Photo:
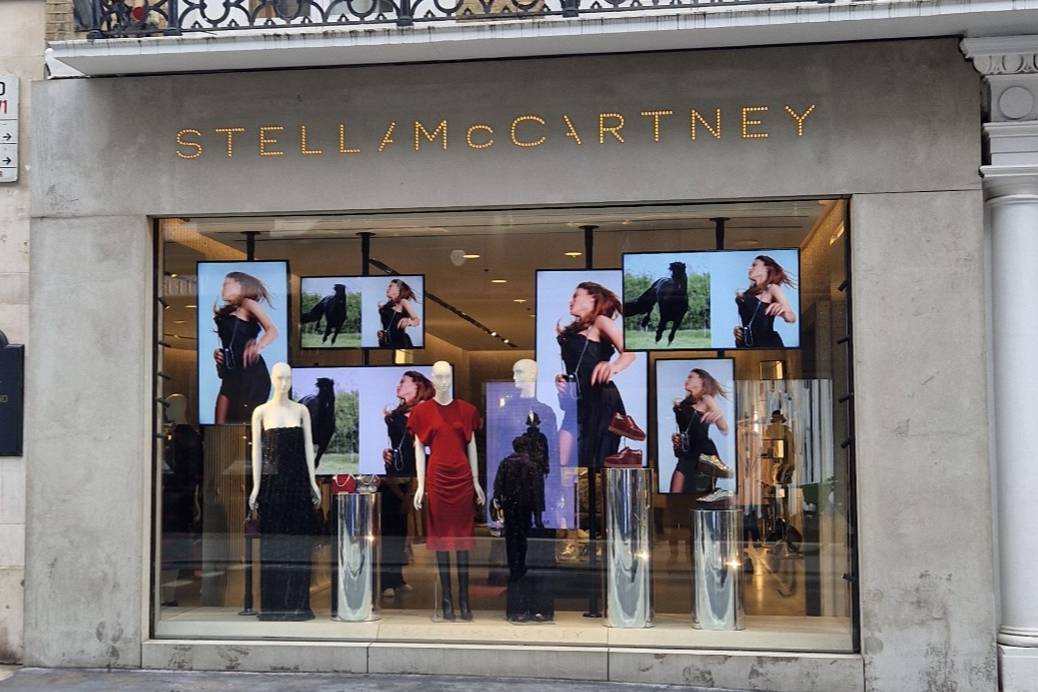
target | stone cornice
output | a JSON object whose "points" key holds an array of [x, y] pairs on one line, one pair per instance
{"points": [[1002, 55]]}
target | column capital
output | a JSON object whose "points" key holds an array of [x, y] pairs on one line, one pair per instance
{"points": [[1002, 55], [1009, 65]]}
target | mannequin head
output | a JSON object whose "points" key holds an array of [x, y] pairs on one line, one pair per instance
{"points": [[280, 381], [442, 378], [524, 374], [176, 409]]}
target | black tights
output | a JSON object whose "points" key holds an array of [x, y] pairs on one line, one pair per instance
{"points": [[443, 563]]}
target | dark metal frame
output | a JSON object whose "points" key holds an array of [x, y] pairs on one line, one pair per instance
{"points": [[655, 413], [719, 350], [200, 326], [362, 277], [117, 19]]}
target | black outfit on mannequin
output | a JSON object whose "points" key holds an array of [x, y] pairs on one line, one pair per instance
{"points": [[391, 335], [245, 387], [515, 493], [286, 514], [694, 440], [758, 327], [592, 406], [182, 471], [394, 488]]}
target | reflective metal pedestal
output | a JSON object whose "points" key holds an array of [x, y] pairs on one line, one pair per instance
{"points": [[357, 549], [629, 547], [716, 566]]}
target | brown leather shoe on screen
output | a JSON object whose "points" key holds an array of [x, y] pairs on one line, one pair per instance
{"points": [[624, 426], [625, 458]]}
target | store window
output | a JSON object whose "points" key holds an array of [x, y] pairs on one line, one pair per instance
{"points": [[620, 425]]}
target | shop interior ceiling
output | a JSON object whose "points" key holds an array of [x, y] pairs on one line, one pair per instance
{"points": [[510, 245]]}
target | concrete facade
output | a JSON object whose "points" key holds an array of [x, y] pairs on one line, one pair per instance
{"points": [[896, 130], [21, 52]]}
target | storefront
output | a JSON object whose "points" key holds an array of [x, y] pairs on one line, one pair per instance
{"points": [[683, 302]]}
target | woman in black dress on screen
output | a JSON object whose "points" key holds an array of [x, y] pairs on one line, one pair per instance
{"points": [[245, 379], [761, 303], [587, 394], [397, 314], [694, 415], [413, 388]]}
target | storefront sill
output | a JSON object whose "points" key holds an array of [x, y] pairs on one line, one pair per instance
{"points": [[777, 672], [671, 631]]}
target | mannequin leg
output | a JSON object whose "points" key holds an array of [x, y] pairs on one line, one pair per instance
{"points": [[443, 563], [463, 584]]}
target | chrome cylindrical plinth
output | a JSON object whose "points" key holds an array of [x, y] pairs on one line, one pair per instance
{"points": [[716, 566], [629, 547], [357, 556]]}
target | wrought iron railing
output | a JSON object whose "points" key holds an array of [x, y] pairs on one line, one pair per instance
{"points": [[131, 18]]}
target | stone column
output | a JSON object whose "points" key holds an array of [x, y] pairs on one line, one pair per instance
{"points": [[1010, 173]]}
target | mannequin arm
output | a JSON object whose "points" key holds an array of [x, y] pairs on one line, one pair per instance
{"points": [[308, 446], [419, 467], [474, 466], [257, 456]]}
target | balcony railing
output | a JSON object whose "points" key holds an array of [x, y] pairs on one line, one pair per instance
{"points": [[134, 18]]}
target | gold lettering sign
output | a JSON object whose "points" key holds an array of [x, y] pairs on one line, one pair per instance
{"points": [[526, 131]]}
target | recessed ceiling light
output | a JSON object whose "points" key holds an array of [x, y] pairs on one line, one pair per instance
{"points": [[499, 281], [190, 307], [507, 341], [518, 300], [471, 255], [178, 321], [173, 276], [493, 333], [573, 253]]}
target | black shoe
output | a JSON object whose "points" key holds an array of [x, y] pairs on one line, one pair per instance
{"points": [[466, 612], [448, 608]]}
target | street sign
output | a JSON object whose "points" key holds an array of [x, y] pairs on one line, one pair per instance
{"points": [[12, 366], [8, 128]]}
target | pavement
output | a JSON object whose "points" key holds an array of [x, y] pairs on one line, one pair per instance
{"points": [[100, 680]]}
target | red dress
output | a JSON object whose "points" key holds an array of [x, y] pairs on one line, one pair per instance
{"points": [[449, 492]]}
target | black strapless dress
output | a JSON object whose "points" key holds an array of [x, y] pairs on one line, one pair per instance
{"points": [[592, 406], [391, 335], [758, 327], [245, 387], [697, 436], [286, 520]]}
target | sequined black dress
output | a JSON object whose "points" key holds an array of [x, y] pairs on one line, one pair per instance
{"points": [[758, 327], [245, 387], [694, 440], [391, 335], [394, 488], [286, 522], [592, 406], [515, 490]]}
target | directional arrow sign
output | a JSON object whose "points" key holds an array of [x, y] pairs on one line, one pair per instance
{"points": [[8, 159], [8, 128]]}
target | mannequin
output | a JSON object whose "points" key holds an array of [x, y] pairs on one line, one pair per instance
{"points": [[451, 477], [282, 445], [515, 496], [529, 408], [181, 480]]}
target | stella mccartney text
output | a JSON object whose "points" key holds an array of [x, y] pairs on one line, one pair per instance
{"points": [[524, 131]]}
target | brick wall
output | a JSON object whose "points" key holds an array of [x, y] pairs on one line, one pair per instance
{"points": [[59, 20]]}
